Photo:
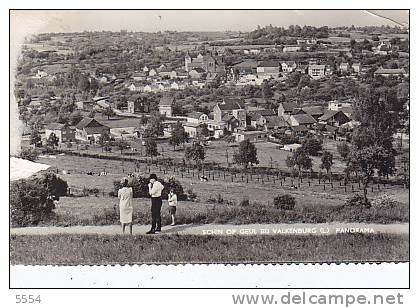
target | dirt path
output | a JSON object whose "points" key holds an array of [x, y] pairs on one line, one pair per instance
{"points": [[210, 229]]}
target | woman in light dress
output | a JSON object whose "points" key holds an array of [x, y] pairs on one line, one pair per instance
{"points": [[125, 205]]}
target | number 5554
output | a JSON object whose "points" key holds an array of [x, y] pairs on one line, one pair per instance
{"points": [[28, 299]]}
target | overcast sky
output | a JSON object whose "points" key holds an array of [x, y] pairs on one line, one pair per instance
{"points": [[150, 21]]}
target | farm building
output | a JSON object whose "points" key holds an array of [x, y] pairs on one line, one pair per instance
{"points": [[301, 120], [197, 117], [89, 129], [291, 147], [230, 107], [192, 129], [286, 108], [166, 106], [253, 136], [63, 132], [334, 118], [387, 72]]}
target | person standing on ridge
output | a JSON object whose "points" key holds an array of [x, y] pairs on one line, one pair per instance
{"points": [[155, 189]]}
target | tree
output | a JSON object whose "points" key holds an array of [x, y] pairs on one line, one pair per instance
{"points": [[108, 111], [83, 83], [35, 138], [196, 152], [372, 142], [204, 130], [375, 38], [267, 92], [92, 113], [104, 140], [311, 146], [327, 161], [370, 159], [75, 117], [151, 147], [154, 127], [122, 145], [29, 154], [179, 136], [299, 159], [343, 149], [246, 154], [52, 140]]}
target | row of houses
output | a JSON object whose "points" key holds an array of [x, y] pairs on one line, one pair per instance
{"points": [[243, 119], [88, 129]]}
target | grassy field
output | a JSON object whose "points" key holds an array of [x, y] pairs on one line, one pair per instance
{"points": [[92, 210], [269, 155], [315, 195], [120, 249]]}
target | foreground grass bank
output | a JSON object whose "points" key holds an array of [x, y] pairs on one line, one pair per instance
{"points": [[120, 249], [89, 211]]}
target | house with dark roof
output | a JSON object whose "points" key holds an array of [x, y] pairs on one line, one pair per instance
{"points": [[334, 118], [257, 118], [230, 107], [88, 129], [286, 108], [207, 62], [166, 105], [63, 132], [246, 67], [231, 123], [268, 69], [197, 73], [314, 111], [275, 122], [301, 120]]}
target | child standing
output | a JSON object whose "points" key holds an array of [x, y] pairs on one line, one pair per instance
{"points": [[172, 198]]}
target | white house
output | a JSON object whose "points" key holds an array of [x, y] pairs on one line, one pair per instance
{"points": [[291, 48], [356, 67], [291, 147], [40, 74], [317, 71], [288, 66], [197, 117]]}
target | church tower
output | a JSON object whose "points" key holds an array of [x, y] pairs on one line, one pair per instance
{"points": [[188, 61]]}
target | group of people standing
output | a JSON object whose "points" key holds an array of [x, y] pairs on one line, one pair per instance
{"points": [[155, 189]]}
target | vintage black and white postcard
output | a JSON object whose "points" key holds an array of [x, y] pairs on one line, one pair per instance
{"points": [[166, 137]]}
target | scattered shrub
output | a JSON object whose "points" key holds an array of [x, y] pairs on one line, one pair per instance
{"points": [[94, 191], [356, 201], [29, 154], [191, 194], [29, 203], [140, 187], [54, 185], [384, 201], [244, 202], [284, 202]]}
